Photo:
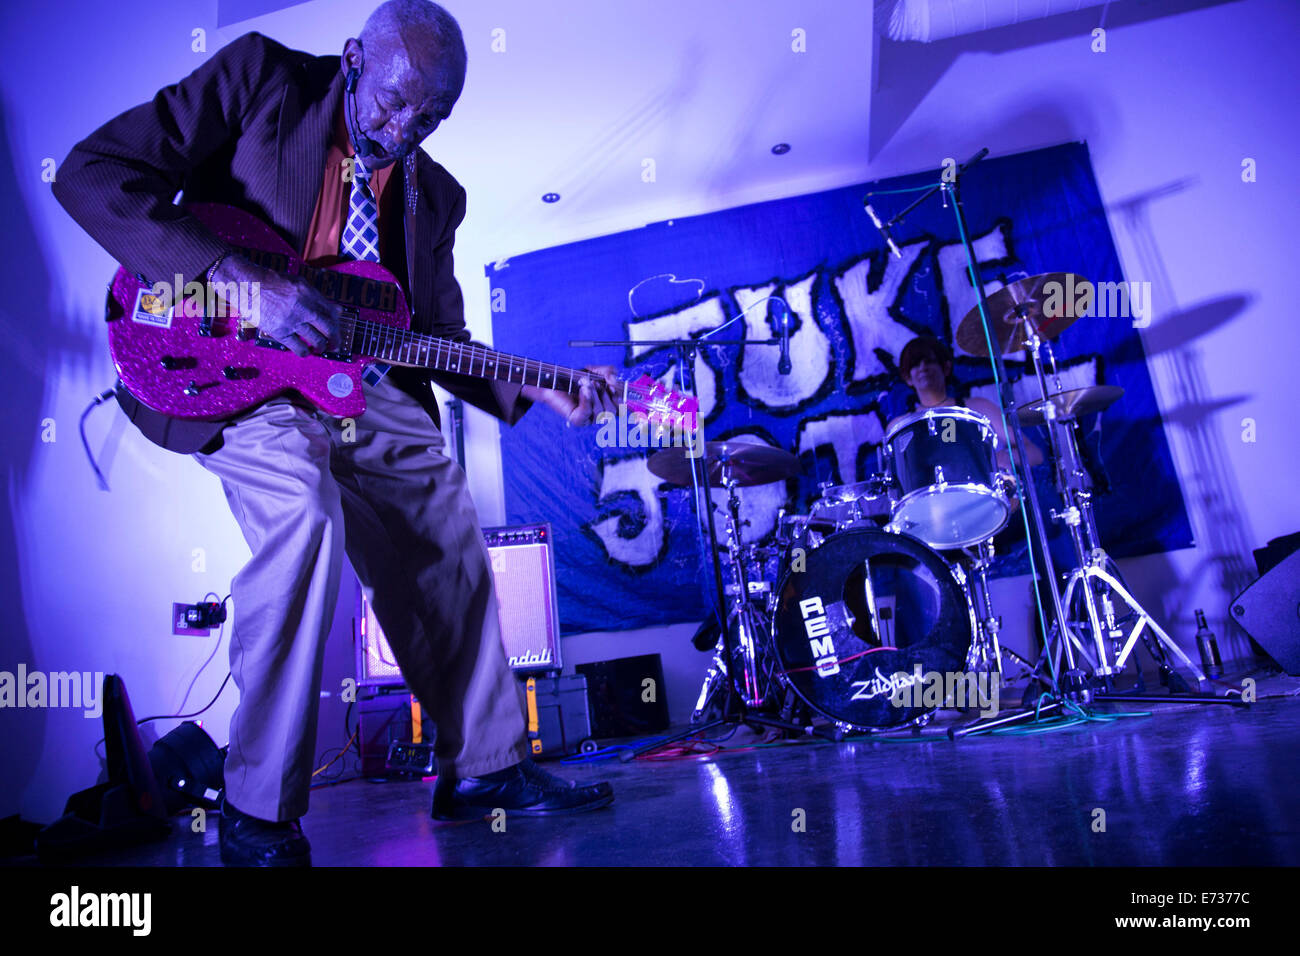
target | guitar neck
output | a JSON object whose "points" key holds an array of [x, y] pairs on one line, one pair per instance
{"points": [[414, 349]]}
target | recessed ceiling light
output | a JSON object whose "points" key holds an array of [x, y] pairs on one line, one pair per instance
{"points": [[551, 197], [780, 149]]}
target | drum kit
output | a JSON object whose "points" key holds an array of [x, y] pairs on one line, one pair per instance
{"points": [[886, 579]]}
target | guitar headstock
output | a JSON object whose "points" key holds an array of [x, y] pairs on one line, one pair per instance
{"points": [[662, 407]]}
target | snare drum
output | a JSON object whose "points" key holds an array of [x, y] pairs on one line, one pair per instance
{"points": [[865, 503], [951, 493]]}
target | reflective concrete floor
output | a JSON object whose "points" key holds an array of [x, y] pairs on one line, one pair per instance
{"points": [[1185, 786]]}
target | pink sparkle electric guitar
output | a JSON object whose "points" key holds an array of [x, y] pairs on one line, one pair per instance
{"points": [[190, 355]]}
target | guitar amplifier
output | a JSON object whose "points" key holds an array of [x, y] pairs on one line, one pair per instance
{"points": [[523, 574]]}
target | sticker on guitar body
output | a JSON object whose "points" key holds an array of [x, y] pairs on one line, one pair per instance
{"points": [[152, 309]]}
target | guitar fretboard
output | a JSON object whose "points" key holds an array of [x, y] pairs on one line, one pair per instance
{"points": [[404, 347]]}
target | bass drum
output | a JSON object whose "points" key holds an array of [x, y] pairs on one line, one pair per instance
{"points": [[852, 625]]}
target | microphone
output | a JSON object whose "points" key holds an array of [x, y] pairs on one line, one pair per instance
{"points": [[884, 230], [783, 364]]}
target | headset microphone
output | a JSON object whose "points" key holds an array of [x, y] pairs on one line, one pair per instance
{"points": [[360, 141]]}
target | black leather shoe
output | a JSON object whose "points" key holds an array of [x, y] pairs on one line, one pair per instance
{"points": [[525, 789], [248, 841]]}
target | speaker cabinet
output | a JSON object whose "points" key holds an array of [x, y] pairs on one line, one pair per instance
{"points": [[1269, 611], [523, 574]]}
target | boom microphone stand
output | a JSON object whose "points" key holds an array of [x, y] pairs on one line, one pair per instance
{"points": [[1073, 675]]}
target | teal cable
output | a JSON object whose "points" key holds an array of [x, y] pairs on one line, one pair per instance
{"points": [[978, 286]]}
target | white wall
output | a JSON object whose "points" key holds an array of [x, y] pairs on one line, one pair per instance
{"points": [[1176, 101], [1169, 110]]}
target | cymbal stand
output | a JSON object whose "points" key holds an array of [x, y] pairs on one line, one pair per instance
{"points": [[1106, 601], [1037, 536], [748, 625], [985, 650], [735, 708]]}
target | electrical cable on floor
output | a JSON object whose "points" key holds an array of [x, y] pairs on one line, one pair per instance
{"points": [[1077, 717], [352, 737], [610, 751], [690, 747], [683, 750], [320, 770], [196, 713]]}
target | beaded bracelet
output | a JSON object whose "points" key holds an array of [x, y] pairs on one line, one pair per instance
{"points": [[212, 271]]}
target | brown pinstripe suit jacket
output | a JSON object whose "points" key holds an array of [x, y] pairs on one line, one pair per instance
{"points": [[250, 128]]}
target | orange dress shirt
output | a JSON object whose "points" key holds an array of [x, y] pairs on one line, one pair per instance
{"points": [[326, 230]]}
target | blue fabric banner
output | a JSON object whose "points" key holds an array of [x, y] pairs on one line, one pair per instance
{"points": [[628, 552]]}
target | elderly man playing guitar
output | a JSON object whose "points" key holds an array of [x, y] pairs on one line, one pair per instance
{"points": [[324, 152]]}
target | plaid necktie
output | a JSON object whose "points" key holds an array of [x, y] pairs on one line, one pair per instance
{"points": [[360, 239]]}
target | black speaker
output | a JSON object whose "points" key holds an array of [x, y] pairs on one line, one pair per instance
{"points": [[1275, 552], [626, 695], [1269, 611]]}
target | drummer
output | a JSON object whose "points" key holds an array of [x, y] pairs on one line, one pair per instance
{"points": [[926, 364]]}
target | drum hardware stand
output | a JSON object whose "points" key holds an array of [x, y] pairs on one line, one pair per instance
{"points": [[735, 708], [1101, 591], [742, 606], [986, 650]]}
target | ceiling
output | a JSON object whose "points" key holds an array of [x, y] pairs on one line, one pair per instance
{"points": [[579, 95], [639, 112]]}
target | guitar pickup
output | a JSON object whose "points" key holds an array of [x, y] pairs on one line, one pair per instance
{"points": [[271, 344]]}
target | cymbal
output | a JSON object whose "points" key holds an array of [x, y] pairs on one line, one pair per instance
{"points": [[1016, 306], [1071, 403], [749, 463]]}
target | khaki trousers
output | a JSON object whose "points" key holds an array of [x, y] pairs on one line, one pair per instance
{"points": [[303, 487]]}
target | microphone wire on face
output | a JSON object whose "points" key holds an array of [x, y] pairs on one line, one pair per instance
{"points": [[361, 143]]}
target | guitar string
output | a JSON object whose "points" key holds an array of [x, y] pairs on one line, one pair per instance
{"points": [[373, 333], [389, 341]]}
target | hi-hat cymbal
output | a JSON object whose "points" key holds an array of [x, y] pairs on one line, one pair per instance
{"points": [[1015, 308], [1071, 403], [747, 462]]}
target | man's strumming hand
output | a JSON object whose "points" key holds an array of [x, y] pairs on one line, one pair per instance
{"points": [[290, 310]]}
